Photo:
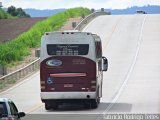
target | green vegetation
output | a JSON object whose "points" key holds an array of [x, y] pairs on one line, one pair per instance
{"points": [[7, 83], [4, 15], [17, 49], [17, 12]]}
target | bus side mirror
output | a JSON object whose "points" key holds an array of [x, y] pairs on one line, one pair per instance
{"points": [[104, 64]]}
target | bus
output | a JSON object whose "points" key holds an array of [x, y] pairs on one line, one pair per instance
{"points": [[71, 69]]}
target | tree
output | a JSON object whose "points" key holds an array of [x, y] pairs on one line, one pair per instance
{"points": [[19, 12], [12, 10]]}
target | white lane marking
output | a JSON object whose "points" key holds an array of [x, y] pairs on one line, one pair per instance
{"points": [[117, 95], [20, 83]]}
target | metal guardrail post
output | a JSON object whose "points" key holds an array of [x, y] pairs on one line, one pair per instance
{"points": [[74, 24], [3, 70], [102, 9], [92, 10]]}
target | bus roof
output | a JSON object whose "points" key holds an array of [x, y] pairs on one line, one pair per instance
{"points": [[68, 32]]}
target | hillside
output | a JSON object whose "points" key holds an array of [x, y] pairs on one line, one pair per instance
{"points": [[11, 28]]}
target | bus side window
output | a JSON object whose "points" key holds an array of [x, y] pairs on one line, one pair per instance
{"points": [[98, 50]]}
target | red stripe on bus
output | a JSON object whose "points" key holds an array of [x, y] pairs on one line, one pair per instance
{"points": [[68, 75]]}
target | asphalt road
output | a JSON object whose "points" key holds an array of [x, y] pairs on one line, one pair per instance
{"points": [[132, 83], [132, 45]]}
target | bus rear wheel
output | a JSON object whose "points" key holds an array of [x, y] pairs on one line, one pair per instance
{"points": [[87, 105], [47, 106], [55, 106], [91, 104], [94, 104]]}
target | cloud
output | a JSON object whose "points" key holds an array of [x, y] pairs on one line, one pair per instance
{"points": [[96, 4]]}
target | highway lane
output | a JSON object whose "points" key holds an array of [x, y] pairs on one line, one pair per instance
{"points": [[143, 87], [25, 94], [120, 49], [133, 51], [132, 84]]}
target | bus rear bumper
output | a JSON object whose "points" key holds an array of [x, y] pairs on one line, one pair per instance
{"points": [[67, 95]]}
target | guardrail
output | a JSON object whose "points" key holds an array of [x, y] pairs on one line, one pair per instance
{"points": [[88, 19], [18, 74]]}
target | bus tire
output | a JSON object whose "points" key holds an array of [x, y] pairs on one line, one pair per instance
{"points": [[55, 106], [94, 104], [98, 100], [87, 105], [98, 97], [47, 106]]}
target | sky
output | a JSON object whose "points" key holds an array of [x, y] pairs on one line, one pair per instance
{"points": [[96, 4]]}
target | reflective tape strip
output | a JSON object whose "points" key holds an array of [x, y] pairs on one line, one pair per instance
{"points": [[93, 86], [68, 75]]}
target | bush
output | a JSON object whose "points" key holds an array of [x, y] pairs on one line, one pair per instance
{"points": [[18, 48], [17, 12], [4, 15]]}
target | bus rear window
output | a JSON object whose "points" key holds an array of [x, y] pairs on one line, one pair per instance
{"points": [[67, 49]]}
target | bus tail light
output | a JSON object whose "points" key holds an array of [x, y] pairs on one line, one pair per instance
{"points": [[93, 81], [93, 87], [43, 87], [68, 85], [52, 89], [42, 82], [85, 89]]}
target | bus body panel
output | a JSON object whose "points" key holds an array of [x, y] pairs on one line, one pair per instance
{"points": [[75, 74]]}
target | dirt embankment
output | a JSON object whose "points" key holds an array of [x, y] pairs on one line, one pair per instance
{"points": [[11, 28]]}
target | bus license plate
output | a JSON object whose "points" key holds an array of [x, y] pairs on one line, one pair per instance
{"points": [[68, 85]]}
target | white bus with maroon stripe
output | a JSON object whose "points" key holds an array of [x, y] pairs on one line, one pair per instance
{"points": [[71, 68]]}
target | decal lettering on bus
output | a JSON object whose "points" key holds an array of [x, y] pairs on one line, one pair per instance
{"points": [[79, 61], [54, 62]]}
